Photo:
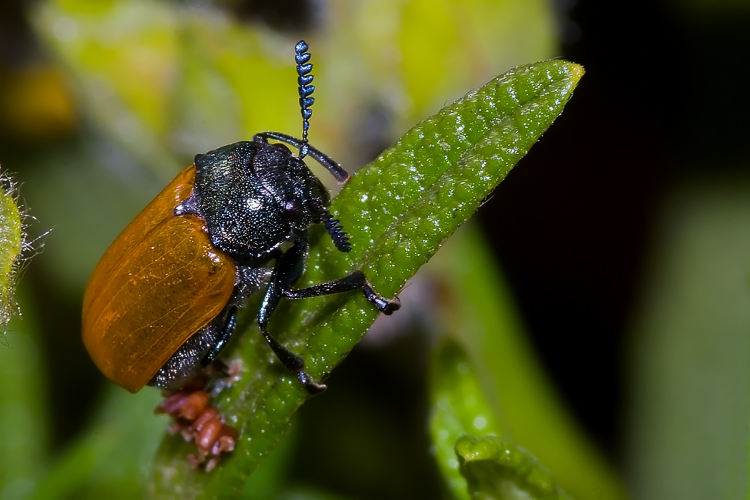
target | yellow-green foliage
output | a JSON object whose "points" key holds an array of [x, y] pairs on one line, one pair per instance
{"points": [[11, 246]]}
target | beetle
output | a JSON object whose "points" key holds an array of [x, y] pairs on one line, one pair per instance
{"points": [[162, 302]]}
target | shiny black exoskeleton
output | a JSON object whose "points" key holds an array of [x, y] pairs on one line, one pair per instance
{"points": [[254, 197]]}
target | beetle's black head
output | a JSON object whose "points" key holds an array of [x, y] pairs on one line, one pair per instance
{"points": [[297, 190], [254, 196]]}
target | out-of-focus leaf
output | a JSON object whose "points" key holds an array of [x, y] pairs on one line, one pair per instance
{"points": [[475, 460], [410, 71], [477, 311], [166, 80], [398, 211], [24, 430], [87, 192], [122, 56], [688, 429], [171, 79], [458, 408], [497, 470], [35, 104], [111, 461]]}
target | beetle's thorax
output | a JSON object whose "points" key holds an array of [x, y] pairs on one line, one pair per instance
{"points": [[254, 196]]}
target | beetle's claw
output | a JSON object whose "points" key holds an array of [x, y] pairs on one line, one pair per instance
{"points": [[310, 385], [386, 306], [391, 306]]}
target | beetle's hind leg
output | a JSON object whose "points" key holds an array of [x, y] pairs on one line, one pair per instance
{"points": [[196, 353]]}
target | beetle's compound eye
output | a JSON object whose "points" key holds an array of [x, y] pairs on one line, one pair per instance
{"points": [[292, 208]]}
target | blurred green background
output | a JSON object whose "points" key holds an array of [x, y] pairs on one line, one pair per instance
{"points": [[604, 311]]}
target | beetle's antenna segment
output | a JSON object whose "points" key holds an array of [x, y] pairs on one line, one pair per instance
{"points": [[304, 79], [335, 231], [336, 170], [339, 237]]}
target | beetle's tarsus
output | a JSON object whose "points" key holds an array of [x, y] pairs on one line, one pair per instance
{"points": [[386, 306], [309, 384], [293, 363]]}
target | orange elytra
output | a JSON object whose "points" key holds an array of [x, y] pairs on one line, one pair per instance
{"points": [[158, 283]]}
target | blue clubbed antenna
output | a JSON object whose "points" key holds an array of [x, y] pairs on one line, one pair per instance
{"points": [[304, 79]]}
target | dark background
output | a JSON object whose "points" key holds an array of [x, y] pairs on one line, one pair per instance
{"points": [[572, 228]]}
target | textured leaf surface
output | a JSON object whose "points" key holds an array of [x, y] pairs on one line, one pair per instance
{"points": [[398, 211]]}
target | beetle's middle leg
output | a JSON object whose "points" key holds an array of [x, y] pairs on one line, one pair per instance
{"points": [[292, 264], [353, 281], [287, 272]]}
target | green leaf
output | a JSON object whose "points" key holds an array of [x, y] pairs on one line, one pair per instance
{"points": [[459, 407], [477, 312], [477, 41], [24, 427], [213, 79], [485, 466], [488, 465], [497, 470], [22, 448], [11, 245], [112, 48], [166, 81], [108, 461], [398, 211]]}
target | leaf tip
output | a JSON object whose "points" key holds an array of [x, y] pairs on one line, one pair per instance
{"points": [[576, 71]]}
